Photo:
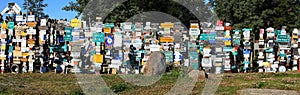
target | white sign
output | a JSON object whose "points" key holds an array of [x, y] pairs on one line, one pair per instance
{"points": [[31, 18], [206, 62], [282, 69], [43, 22], [154, 48], [16, 8], [3, 12], [220, 28], [127, 26], [177, 57], [31, 31], [19, 18], [118, 41], [88, 34], [194, 31]]}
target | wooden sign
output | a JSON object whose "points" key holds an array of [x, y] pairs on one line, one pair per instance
{"points": [[167, 25], [107, 30], [43, 27], [31, 24], [3, 36], [166, 39], [17, 53]]}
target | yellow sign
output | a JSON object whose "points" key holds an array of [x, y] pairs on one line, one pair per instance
{"points": [[4, 25], [2, 58], [31, 24], [98, 58], [167, 25], [3, 47], [24, 33], [107, 30], [267, 64], [166, 39], [295, 36], [25, 54], [76, 23], [227, 43]]}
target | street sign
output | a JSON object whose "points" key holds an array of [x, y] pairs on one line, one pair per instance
{"points": [[109, 40], [98, 37], [177, 57], [169, 56], [109, 25], [68, 38], [11, 25]]}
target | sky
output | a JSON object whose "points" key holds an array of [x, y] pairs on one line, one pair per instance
{"points": [[54, 9]]}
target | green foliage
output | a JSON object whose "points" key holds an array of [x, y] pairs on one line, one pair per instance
{"points": [[119, 87], [258, 13], [129, 8], [35, 6]]}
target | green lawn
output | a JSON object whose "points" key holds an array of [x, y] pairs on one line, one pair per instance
{"points": [[58, 84]]}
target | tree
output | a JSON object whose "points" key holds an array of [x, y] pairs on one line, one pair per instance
{"points": [[192, 10], [35, 6], [258, 14]]}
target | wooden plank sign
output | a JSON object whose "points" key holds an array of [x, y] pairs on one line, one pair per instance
{"points": [[166, 39], [31, 24]]}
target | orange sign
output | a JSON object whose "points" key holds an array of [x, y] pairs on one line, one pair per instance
{"points": [[228, 27], [166, 39], [31, 24], [167, 25], [194, 26], [107, 30]]}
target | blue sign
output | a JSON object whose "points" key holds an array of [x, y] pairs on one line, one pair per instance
{"points": [[109, 40], [246, 51]]}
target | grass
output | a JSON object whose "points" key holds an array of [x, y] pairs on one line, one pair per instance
{"points": [[58, 84]]}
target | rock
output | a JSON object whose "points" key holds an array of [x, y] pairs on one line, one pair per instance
{"points": [[156, 64], [202, 75]]}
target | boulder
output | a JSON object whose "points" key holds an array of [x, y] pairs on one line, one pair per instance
{"points": [[156, 64]]}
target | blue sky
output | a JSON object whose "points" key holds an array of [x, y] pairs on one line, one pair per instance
{"points": [[53, 9]]}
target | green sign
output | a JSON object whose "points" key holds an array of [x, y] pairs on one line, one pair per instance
{"points": [[109, 25], [68, 38], [195, 65], [98, 37], [237, 41], [282, 36], [193, 55], [11, 25], [235, 53], [247, 29], [133, 27], [227, 49], [207, 37], [169, 56], [236, 30]]}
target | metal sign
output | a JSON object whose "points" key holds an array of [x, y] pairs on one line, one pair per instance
{"points": [[169, 56], [109, 40], [177, 57], [109, 25], [98, 37]]}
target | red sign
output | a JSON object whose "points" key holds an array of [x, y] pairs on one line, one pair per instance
{"points": [[220, 23], [262, 31]]}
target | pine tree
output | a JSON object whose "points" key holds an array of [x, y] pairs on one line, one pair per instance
{"points": [[35, 6]]}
